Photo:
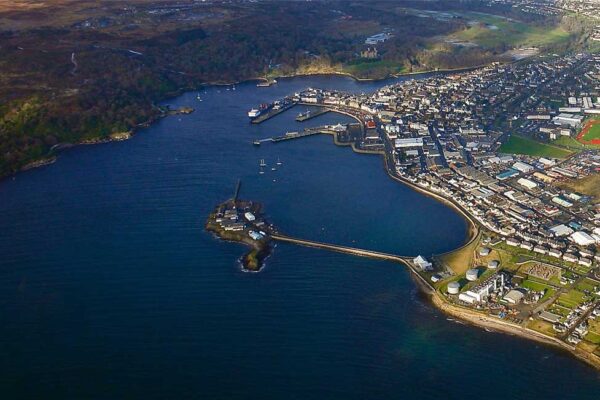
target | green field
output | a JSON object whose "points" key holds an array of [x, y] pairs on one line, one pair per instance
{"points": [[521, 145], [593, 133], [538, 287], [492, 31], [573, 144], [593, 337], [571, 299]]}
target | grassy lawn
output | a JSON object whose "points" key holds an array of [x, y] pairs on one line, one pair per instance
{"points": [[542, 326], [460, 261], [587, 284], [571, 299], [571, 143], [559, 310], [594, 331], [589, 185], [521, 145], [493, 31], [593, 337], [593, 133], [538, 287]]}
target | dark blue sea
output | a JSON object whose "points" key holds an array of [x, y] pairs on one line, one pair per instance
{"points": [[111, 289]]}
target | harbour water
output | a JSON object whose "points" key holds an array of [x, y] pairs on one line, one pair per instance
{"points": [[110, 288]]}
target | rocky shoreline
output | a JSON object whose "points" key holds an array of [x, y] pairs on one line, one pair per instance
{"points": [[52, 155], [487, 322], [241, 222]]}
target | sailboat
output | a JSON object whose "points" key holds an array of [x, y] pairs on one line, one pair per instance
{"points": [[198, 97], [262, 162], [279, 161], [261, 171]]}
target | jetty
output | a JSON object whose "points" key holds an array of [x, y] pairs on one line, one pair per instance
{"points": [[309, 114], [343, 249], [272, 113], [355, 251], [325, 129]]}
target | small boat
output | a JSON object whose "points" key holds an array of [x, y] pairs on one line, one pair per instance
{"points": [[262, 162], [198, 97], [261, 171], [273, 169], [303, 115], [233, 88], [266, 82]]}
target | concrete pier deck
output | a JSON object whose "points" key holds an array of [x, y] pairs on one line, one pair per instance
{"points": [[272, 113], [312, 114]]}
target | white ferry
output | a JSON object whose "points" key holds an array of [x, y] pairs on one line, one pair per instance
{"points": [[255, 112]]}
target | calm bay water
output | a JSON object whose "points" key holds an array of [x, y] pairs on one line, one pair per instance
{"points": [[110, 288]]}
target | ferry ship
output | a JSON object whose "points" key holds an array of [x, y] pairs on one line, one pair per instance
{"points": [[256, 112]]}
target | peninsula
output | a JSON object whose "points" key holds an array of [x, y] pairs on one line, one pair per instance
{"points": [[241, 221]]}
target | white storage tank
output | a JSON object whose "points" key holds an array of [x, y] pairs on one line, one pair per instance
{"points": [[472, 274], [453, 287]]}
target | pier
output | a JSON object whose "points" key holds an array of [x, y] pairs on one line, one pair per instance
{"points": [[297, 135], [272, 113], [343, 249], [326, 129], [311, 114], [237, 191], [378, 255]]}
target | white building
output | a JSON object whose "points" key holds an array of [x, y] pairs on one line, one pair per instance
{"points": [[529, 184], [523, 167], [408, 142], [255, 235], [483, 290], [514, 296], [582, 238], [561, 230], [422, 263], [568, 119]]}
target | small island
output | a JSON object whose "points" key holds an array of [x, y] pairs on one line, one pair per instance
{"points": [[241, 221]]}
